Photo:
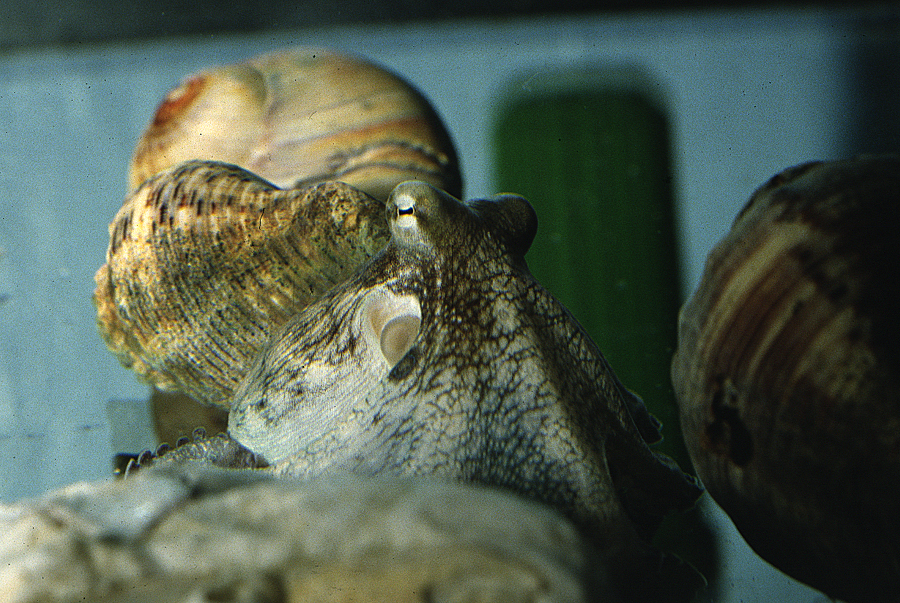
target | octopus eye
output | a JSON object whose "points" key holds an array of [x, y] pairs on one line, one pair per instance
{"points": [[405, 215]]}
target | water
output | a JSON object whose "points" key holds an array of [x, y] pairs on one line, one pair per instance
{"points": [[746, 94]]}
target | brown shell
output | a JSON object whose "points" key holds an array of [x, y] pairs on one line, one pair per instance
{"points": [[207, 259], [788, 375], [302, 116]]}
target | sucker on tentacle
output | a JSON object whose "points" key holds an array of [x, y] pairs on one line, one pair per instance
{"points": [[219, 450]]}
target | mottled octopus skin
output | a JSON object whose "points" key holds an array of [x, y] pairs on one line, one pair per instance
{"points": [[500, 385]]}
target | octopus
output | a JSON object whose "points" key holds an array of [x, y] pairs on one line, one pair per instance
{"points": [[443, 356]]}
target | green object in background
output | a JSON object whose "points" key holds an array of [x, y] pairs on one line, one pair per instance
{"points": [[595, 166]]}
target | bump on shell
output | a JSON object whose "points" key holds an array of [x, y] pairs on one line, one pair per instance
{"points": [[788, 375]]}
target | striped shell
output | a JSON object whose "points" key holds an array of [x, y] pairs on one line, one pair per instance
{"points": [[299, 117], [206, 259], [788, 375]]}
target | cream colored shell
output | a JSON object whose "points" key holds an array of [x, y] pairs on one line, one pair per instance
{"points": [[207, 259], [302, 116]]}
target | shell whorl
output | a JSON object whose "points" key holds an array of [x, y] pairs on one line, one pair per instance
{"points": [[205, 260], [300, 117], [256, 188]]}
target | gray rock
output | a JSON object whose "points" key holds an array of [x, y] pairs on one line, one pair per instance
{"points": [[198, 534]]}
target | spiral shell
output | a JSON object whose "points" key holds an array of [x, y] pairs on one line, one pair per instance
{"points": [[788, 375], [299, 117], [206, 259]]}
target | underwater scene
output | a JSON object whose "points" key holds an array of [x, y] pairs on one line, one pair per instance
{"points": [[564, 308]]}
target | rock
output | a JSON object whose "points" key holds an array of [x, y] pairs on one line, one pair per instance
{"points": [[198, 534]]}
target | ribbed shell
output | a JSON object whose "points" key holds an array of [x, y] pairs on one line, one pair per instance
{"points": [[788, 375], [302, 116], [206, 260]]}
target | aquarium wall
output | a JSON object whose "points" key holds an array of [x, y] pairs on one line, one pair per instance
{"points": [[702, 108]]}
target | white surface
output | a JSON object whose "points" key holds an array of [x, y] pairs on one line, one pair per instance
{"points": [[749, 94]]}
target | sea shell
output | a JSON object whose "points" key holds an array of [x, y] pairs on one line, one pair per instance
{"points": [[299, 117], [788, 375], [207, 259]]}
